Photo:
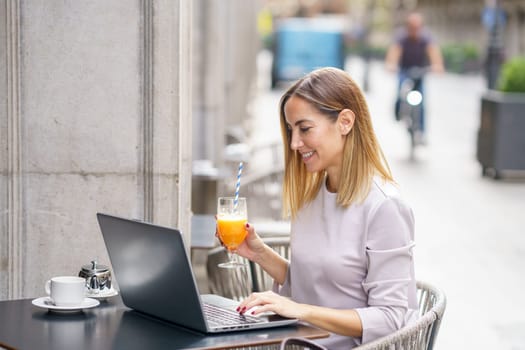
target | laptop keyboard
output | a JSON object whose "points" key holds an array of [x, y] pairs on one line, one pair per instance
{"points": [[218, 317]]}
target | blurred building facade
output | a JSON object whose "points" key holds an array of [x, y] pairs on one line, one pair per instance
{"points": [[452, 21], [461, 21]]}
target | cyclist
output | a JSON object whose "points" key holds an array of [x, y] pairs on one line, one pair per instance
{"points": [[413, 47]]}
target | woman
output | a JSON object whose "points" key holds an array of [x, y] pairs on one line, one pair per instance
{"points": [[351, 270]]}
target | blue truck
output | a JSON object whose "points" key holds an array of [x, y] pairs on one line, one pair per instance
{"points": [[304, 44]]}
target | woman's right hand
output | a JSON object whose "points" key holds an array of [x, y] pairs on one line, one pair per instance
{"points": [[252, 245], [253, 248]]}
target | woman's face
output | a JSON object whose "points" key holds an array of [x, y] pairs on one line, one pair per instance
{"points": [[314, 136]]}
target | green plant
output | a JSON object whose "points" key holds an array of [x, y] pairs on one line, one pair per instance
{"points": [[512, 76], [459, 56], [359, 49]]}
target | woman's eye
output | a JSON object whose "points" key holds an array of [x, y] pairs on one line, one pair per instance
{"points": [[304, 129]]}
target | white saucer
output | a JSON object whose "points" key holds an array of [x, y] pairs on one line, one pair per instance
{"points": [[47, 303], [103, 295]]}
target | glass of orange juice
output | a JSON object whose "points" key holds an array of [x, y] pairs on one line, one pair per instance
{"points": [[232, 215]]}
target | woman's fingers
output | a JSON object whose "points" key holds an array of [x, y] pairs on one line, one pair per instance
{"points": [[262, 308], [258, 303], [248, 303], [261, 300], [242, 305], [250, 229]]}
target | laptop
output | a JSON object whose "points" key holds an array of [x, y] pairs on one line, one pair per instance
{"points": [[155, 277]]}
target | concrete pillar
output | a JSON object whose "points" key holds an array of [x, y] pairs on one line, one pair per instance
{"points": [[225, 50], [95, 115], [242, 44]]}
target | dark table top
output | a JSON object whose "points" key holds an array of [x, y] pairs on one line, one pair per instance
{"points": [[111, 325]]}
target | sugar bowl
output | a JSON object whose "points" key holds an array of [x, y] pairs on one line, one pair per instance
{"points": [[98, 277]]}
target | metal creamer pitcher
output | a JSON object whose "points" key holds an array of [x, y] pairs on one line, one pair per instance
{"points": [[98, 277]]}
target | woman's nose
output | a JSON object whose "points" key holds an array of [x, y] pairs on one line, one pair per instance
{"points": [[295, 141]]}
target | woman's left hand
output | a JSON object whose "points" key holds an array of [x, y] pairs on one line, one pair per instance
{"points": [[344, 322], [270, 301]]}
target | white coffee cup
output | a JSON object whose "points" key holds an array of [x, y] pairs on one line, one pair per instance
{"points": [[66, 290]]}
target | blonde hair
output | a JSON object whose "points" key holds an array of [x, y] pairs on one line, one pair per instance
{"points": [[330, 90]]}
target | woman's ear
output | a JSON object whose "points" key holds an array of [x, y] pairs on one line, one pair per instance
{"points": [[345, 120]]}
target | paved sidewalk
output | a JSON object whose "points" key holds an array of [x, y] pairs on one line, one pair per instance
{"points": [[469, 229]]}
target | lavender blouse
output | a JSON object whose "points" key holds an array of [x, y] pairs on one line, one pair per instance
{"points": [[355, 258]]}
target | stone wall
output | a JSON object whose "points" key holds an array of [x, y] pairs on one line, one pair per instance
{"points": [[95, 108]]}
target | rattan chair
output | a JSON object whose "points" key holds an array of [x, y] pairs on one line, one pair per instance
{"points": [[230, 283], [261, 281], [239, 283], [420, 335]]}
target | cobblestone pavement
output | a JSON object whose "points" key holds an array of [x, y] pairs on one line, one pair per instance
{"points": [[470, 236]]}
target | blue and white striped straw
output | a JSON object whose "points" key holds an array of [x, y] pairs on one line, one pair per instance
{"points": [[237, 186]]}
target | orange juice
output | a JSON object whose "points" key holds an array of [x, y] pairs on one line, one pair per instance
{"points": [[232, 230]]}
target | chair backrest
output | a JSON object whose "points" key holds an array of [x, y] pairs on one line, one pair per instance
{"points": [[431, 299], [230, 283], [419, 335], [261, 281], [239, 283], [295, 343]]}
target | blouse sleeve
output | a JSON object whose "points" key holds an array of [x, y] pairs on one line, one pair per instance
{"points": [[286, 288], [390, 275]]}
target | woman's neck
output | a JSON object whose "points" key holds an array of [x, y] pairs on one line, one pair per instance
{"points": [[331, 185]]}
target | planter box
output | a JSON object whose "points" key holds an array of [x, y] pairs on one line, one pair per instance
{"points": [[501, 136]]}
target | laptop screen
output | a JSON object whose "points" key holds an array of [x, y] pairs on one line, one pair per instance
{"points": [[152, 270]]}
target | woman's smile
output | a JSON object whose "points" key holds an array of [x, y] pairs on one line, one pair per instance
{"points": [[307, 155]]}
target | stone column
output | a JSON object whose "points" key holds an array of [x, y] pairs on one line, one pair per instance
{"points": [[209, 101], [95, 116], [226, 45], [11, 244]]}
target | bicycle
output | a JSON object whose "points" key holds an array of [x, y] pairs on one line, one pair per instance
{"points": [[411, 106]]}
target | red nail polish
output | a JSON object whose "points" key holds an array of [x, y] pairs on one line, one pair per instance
{"points": [[253, 312], [247, 225], [237, 309]]}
